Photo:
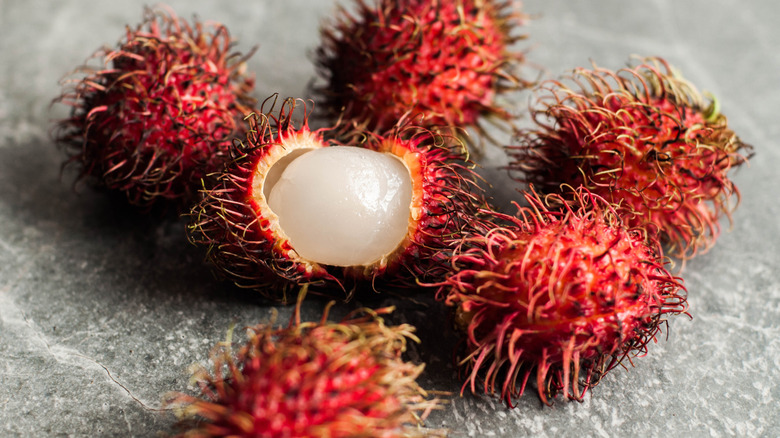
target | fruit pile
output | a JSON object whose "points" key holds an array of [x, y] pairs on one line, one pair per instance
{"points": [[622, 171]]}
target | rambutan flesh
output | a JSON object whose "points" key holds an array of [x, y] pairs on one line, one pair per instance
{"points": [[313, 379], [565, 295], [297, 208], [643, 138], [160, 113], [449, 60]]}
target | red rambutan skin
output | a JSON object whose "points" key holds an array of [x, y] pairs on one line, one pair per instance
{"points": [[160, 113], [448, 60], [644, 139], [246, 244], [563, 295], [312, 379]]}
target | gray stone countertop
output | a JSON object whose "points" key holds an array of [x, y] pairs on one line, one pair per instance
{"points": [[103, 309]]}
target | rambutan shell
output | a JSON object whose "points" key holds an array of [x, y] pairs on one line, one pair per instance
{"points": [[448, 61], [161, 111], [643, 138], [247, 244], [562, 296], [317, 379]]}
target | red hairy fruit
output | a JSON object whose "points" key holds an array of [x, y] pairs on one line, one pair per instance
{"points": [[643, 138], [313, 379], [448, 60], [565, 295], [297, 208], [161, 111]]}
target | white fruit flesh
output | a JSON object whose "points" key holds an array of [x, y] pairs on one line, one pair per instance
{"points": [[343, 206]]}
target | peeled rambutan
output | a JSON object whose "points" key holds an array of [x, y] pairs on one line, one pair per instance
{"points": [[565, 295], [449, 60], [312, 379], [297, 208], [643, 138], [160, 113]]}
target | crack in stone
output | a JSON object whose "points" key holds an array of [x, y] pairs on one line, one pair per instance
{"points": [[121, 385], [60, 352]]}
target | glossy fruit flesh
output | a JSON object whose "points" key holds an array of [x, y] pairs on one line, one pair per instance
{"points": [[342, 206]]}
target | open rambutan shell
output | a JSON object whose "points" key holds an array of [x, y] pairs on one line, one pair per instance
{"points": [[560, 296], [160, 113], [643, 138], [249, 242], [312, 379], [449, 61]]}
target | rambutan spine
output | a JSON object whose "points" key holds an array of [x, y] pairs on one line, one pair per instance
{"points": [[643, 138], [162, 111], [560, 295]]}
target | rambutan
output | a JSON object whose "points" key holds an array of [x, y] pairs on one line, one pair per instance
{"points": [[160, 113], [643, 138], [297, 208], [449, 60], [563, 294], [312, 379]]}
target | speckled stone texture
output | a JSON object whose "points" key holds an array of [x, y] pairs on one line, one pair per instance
{"points": [[103, 309]]}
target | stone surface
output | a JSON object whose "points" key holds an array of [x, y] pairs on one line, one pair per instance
{"points": [[103, 309]]}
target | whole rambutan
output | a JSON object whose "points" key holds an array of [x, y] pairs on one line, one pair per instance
{"points": [[643, 138], [160, 113], [449, 60], [312, 379], [565, 295], [297, 208]]}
